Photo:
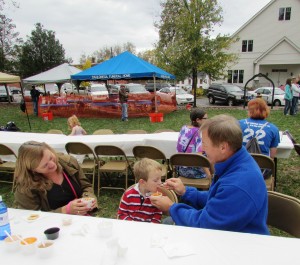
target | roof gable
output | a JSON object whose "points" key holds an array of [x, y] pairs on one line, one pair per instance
{"points": [[253, 18], [279, 51]]}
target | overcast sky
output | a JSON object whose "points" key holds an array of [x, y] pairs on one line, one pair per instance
{"points": [[83, 26]]}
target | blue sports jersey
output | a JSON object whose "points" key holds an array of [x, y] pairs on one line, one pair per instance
{"points": [[267, 138]]}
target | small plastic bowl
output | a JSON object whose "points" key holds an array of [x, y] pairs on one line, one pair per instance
{"points": [[67, 220], [52, 233], [28, 245], [156, 194], [12, 243], [45, 249]]}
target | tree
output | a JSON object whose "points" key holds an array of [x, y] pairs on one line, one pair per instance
{"points": [[105, 53], [185, 45], [40, 52], [9, 44]]}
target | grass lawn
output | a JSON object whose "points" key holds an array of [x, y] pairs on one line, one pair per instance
{"points": [[288, 175]]}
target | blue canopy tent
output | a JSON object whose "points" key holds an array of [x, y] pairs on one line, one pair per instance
{"points": [[124, 66]]}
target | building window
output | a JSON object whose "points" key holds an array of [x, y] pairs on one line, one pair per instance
{"points": [[229, 76], [247, 45], [285, 13], [235, 76]]}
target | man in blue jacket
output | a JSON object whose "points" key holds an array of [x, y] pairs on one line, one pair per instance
{"points": [[237, 199]]}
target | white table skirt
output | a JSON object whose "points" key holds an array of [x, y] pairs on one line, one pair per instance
{"points": [[209, 246], [165, 141]]}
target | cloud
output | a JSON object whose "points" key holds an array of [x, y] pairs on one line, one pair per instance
{"points": [[84, 26]]}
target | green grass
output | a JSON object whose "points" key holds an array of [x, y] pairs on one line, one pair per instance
{"points": [[288, 169]]}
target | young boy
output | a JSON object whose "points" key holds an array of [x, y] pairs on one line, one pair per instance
{"points": [[135, 204]]}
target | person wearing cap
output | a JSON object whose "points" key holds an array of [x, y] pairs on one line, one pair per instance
{"points": [[123, 97], [295, 92]]}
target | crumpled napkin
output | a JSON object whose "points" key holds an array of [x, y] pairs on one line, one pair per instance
{"points": [[171, 249], [82, 231], [178, 250]]}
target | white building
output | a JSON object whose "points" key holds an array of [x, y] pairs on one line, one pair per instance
{"points": [[269, 43]]}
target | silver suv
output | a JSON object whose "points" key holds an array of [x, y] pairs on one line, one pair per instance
{"points": [[3, 94], [227, 93]]}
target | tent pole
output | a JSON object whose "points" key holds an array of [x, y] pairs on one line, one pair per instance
{"points": [[155, 100], [22, 92], [7, 93]]}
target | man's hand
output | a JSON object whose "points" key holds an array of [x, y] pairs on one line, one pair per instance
{"points": [[163, 203], [176, 185]]}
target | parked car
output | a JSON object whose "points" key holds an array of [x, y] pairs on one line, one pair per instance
{"points": [[3, 94], [266, 94], [182, 97], [150, 86], [227, 93], [98, 92]]}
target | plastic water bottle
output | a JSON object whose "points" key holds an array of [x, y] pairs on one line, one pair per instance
{"points": [[4, 221]]}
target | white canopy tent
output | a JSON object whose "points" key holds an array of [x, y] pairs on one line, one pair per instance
{"points": [[59, 75]]}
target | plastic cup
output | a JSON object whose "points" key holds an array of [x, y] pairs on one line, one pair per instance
{"points": [[105, 229], [88, 201], [67, 220], [52, 233]]}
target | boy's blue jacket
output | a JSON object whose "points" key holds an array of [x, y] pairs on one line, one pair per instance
{"points": [[237, 201]]}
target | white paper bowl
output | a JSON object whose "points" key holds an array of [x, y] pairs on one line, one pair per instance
{"points": [[13, 244], [45, 249], [30, 248]]}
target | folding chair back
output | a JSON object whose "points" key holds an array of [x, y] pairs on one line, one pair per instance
{"points": [[136, 132], [103, 131], [116, 161], [141, 151], [192, 160], [7, 166], [55, 131], [164, 130], [284, 213], [265, 162], [85, 154]]}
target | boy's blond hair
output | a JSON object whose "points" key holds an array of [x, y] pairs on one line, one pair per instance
{"points": [[143, 167]]}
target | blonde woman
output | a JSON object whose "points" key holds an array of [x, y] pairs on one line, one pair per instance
{"points": [[47, 181], [75, 126]]}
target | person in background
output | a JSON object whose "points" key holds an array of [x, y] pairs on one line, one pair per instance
{"points": [[189, 141], [288, 96], [75, 126], [47, 181], [35, 94], [123, 97], [266, 133], [237, 199], [135, 204], [295, 93]]}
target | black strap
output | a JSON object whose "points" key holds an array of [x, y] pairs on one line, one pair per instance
{"points": [[190, 141]]}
